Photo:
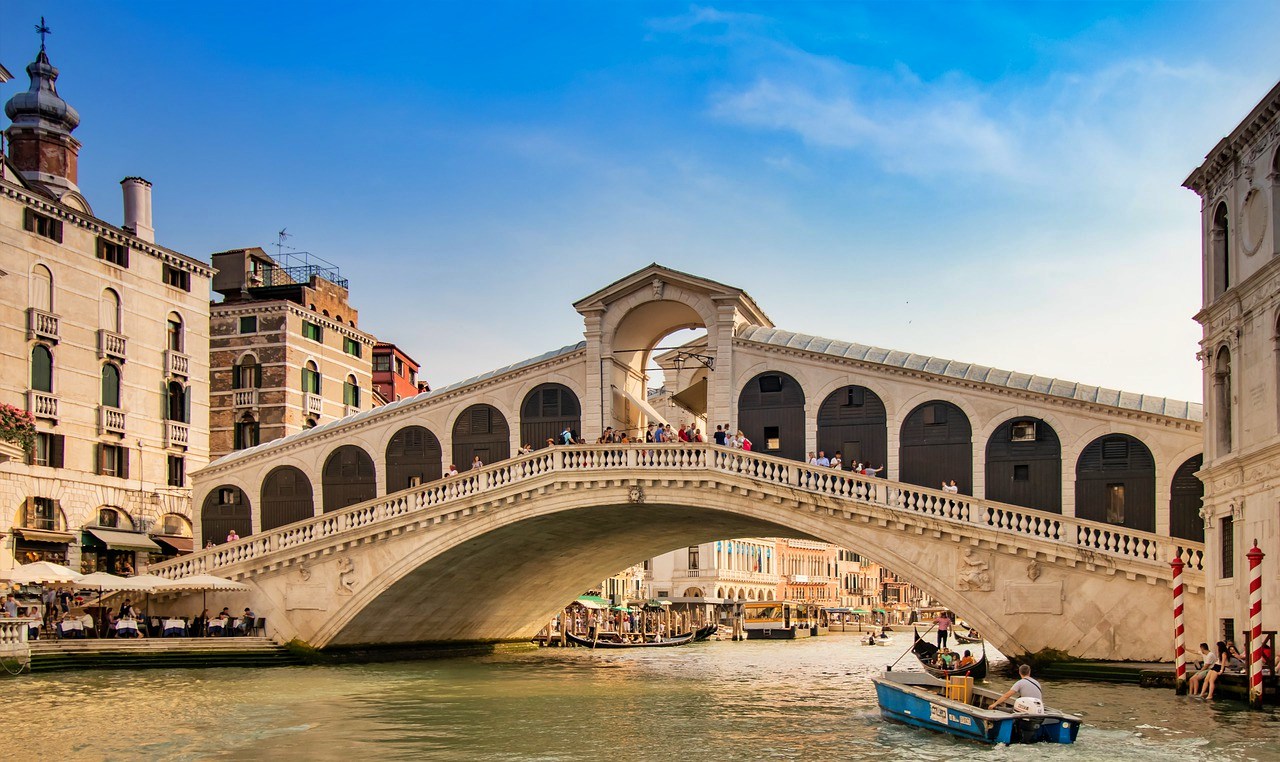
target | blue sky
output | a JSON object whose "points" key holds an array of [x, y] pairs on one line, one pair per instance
{"points": [[996, 183]]}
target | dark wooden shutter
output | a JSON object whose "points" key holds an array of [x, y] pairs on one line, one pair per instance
{"points": [[29, 220], [55, 227], [56, 443], [123, 463]]}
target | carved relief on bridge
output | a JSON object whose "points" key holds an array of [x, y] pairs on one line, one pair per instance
{"points": [[346, 576], [973, 572]]}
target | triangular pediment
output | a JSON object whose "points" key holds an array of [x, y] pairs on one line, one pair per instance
{"points": [[656, 277]]}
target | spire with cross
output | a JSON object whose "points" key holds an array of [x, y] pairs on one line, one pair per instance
{"points": [[43, 30]]}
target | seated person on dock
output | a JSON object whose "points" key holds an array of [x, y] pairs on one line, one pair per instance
{"points": [[1235, 659], [1030, 695], [967, 660], [1202, 669]]}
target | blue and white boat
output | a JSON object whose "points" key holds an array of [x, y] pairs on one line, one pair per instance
{"points": [[922, 700]]}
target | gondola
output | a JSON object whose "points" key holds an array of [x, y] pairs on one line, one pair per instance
{"points": [[926, 652], [678, 640], [965, 638], [705, 632]]}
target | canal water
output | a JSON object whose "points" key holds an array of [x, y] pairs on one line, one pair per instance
{"points": [[807, 699]]}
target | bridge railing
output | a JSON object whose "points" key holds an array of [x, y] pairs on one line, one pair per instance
{"points": [[1105, 539]]}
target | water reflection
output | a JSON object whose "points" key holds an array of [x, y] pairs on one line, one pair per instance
{"points": [[789, 700]]}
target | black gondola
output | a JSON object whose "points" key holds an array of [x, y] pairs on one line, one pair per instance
{"points": [[706, 632], [965, 638], [926, 652], [678, 640]]}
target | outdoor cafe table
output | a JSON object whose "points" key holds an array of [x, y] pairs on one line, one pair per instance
{"points": [[70, 625], [127, 625], [172, 627]]}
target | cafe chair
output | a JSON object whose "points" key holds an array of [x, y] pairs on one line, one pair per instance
{"points": [[259, 626]]}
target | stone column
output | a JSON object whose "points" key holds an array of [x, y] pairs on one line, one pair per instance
{"points": [[721, 382], [597, 407]]}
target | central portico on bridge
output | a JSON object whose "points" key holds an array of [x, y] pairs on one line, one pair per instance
{"points": [[1104, 457]]}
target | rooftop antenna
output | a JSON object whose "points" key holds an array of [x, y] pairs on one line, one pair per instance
{"points": [[280, 239], [43, 30]]}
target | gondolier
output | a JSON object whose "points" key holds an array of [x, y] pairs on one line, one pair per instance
{"points": [[943, 623]]}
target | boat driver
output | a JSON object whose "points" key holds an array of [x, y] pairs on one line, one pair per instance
{"points": [[1030, 695]]}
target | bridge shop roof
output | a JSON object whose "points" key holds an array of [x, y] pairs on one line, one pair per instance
{"points": [[398, 404], [976, 373]]}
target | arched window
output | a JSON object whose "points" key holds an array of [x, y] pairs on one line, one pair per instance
{"points": [[111, 385], [175, 525], [351, 392], [177, 402], [246, 432], [247, 373], [109, 311], [41, 513], [1220, 250], [41, 369], [310, 378], [113, 518], [176, 339], [1222, 400], [42, 288]]}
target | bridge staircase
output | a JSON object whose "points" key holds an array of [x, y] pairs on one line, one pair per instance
{"points": [[152, 653]]}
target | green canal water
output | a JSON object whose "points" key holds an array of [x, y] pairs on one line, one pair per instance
{"points": [[807, 699]]}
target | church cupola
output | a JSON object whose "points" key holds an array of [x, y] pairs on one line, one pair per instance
{"points": [[40, 142]]}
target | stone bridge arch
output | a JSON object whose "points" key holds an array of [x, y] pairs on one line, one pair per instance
{"points": [[482, 556]]}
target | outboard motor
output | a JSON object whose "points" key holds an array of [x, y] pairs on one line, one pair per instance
{"points": [[1029, 727]]}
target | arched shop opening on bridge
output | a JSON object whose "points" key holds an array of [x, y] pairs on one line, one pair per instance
{"points": [[1024, 465], [413, 457], [547, 411], [481, 432], [937, 446], [1116, 483], [852, 421], [771, 414], [349, 478], [286, 497]]}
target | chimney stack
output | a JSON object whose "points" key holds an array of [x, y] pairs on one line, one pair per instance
{"points": [[137, 208]]}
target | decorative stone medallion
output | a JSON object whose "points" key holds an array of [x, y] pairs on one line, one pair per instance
{"points": [[1253, 221], [635, 495]]}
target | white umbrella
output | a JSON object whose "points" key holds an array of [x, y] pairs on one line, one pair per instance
{"points": [[144, 583], [40, 573], [199, 582]]}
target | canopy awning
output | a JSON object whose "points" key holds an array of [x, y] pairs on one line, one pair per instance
{"points": [[649, 410], [179, 544], [881, 611], [693, 399], [859, 611], [116, 539], [592, 602], [44, 535]]}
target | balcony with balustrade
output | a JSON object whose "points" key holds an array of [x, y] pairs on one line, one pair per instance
{"points": [[314, 404], [110, 420], [42, 405], [42, 325], [176, 363], [111, 346], [244, 398], [176, 434], [349, 410]]}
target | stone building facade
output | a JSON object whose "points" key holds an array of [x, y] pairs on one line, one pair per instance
{"points": [[286, 350], [395, 373], [1239, 189], [808, 572], [104, 336], [744, 569]]}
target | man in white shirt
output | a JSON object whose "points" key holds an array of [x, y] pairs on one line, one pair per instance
{"points": [[1030, 694]]}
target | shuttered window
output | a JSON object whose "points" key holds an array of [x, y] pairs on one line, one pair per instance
{"points": [[42, 225], [1228, 525]]}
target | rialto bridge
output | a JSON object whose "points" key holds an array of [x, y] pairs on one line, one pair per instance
{"points": [[350, 536]]}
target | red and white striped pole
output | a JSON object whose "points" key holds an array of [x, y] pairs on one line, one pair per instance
{"points": [[1255, 556], [1179, 637]]}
